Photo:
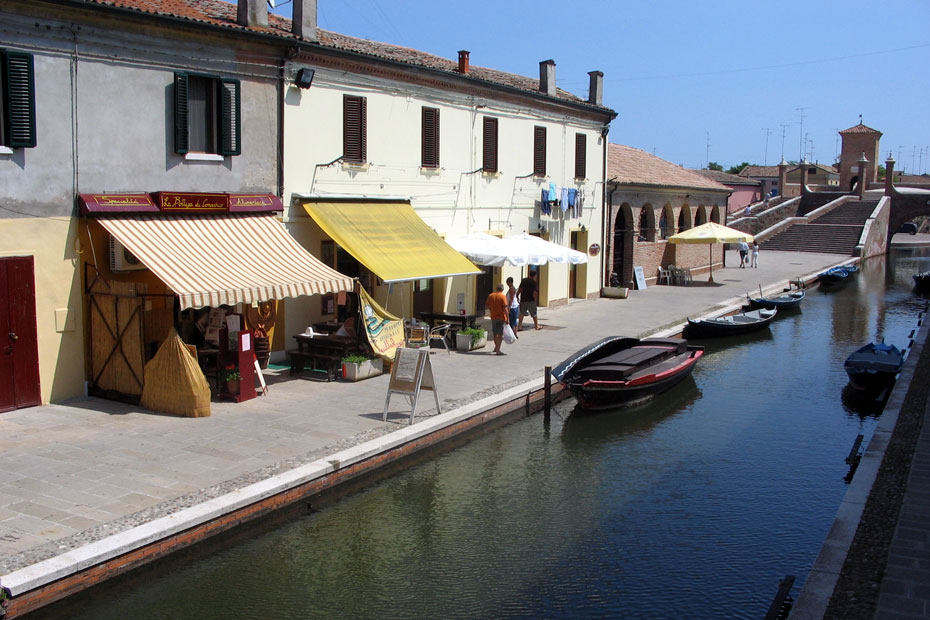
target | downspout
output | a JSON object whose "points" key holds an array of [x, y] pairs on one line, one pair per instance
{"points": [[605, 219]]}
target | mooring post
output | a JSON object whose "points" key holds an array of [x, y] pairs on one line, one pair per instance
{"points": [[547, 382]]}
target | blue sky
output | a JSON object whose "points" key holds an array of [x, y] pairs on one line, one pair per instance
{"points": [[696, 81]]}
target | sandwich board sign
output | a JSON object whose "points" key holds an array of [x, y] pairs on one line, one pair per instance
{"points": [[411, 373], [640, 278]]}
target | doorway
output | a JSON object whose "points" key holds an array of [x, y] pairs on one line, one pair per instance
{"points": [[484, 286], [578, 274], [422, 296], [19, 344]]}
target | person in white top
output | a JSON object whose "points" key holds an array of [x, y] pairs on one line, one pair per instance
{"points": [[755, 254], [513, 305]]}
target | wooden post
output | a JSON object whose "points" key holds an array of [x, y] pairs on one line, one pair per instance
{"points": [[548, 391]]}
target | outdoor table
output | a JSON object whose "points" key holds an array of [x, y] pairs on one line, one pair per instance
{"points": [[323, 352], [463, 320]]}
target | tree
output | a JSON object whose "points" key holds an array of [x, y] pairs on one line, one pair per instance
{"points": [[736, 169], [714, 166]]}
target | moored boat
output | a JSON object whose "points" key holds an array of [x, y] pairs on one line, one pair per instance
{"points": [[740, 323], [623, 372], [792, 299], [922, 282], [835, 275], [873, 368]]}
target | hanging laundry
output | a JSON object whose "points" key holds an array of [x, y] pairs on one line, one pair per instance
{"points": [[544, 207], [552, 195], [572, 196], [579, 202], [564, 199]]}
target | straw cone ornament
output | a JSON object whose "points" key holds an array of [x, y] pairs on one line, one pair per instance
{"points": [[174, 382]]}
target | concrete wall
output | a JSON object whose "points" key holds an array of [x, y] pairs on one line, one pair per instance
{"points": [[742, 195], [457, 198], [875, 233], [104, 112]]}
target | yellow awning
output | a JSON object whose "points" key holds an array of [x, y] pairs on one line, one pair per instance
{"points": [[390, 239], [209, 260]]}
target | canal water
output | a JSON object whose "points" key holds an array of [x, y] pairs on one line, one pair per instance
{"points": [[694, 506]]}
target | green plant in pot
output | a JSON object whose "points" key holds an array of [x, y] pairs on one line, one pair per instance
{"points": [[232, 377]]}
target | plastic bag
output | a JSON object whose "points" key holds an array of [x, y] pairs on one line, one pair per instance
{"points": [[509, 336]]}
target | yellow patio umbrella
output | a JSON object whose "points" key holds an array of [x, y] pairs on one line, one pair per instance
{"points": [[710, 233]]}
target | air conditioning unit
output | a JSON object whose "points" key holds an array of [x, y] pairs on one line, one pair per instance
{"points": [[122, 259]]}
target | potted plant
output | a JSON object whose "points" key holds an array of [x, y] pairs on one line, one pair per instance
{"points": [[358, 367], [471, 338], [231, 376]]}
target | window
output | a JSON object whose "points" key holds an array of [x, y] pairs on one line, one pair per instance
{"points": [[17, 99], [429, 138], [206, 115], [354, 129], [489, 160], [581, 151], [539, 151]]}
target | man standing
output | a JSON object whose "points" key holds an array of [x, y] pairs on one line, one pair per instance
{"points": [[743, 252], [513, 306], [497, 304], [529, 296]]}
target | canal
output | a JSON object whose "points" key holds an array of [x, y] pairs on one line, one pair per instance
{"points": [[693, 506]]}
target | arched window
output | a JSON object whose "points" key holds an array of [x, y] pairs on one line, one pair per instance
{"points": [[684, 218], [647, 230], [715, 215], [700, 216], [667, 222]]}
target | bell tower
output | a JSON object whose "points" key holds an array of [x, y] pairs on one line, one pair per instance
{"points": [[858, 140]]}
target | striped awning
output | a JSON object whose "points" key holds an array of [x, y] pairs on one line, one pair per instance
{"points": [[212, 260]]}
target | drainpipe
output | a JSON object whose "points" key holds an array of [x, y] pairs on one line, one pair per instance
{"points": [[605, 277]]}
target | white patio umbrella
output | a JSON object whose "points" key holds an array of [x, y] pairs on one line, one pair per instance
{"points": [[484, 249], [541, 251]]}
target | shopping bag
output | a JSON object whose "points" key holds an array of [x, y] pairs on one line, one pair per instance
{"points": [[509, 336]]}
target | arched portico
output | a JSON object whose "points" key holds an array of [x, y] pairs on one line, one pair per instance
{"points": [[667, 222], [621, 251], [684, 218], [647, 223], [700, 217]]}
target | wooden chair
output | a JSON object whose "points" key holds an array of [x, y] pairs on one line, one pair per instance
{"points": [[418, 337]]}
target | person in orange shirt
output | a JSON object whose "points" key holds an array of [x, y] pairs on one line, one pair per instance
{"points": [[497, 304]]}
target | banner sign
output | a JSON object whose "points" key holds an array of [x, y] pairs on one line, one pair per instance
{"points": [[116, 203], [385, 331], [173, 201]]}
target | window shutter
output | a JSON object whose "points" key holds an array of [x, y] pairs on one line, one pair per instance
{"points": [[230, 118], [181, 131], [429, 138], [490, 145], [20, 97], [539, 151], [354, 146], [581, 152]]}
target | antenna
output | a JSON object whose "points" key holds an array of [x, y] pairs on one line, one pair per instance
{"points": [[707, 156], [768, 132], [783, 130], [801, 135]]}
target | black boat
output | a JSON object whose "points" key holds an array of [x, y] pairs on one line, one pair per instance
{"points": [[782, 302], [732, 325], [836, 275], [873, 368], [922, 282], [623, 372]]}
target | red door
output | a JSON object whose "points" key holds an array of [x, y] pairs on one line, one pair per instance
{"points": [[19, 347]]}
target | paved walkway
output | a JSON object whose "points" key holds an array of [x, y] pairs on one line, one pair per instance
{"points": [[75, 473]]}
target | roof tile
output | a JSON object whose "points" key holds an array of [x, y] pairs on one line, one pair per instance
{"points": [[631, 166]]}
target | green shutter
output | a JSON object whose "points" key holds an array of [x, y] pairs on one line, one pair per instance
{"points": [[181, 131], [19, 95], [230, 118]]}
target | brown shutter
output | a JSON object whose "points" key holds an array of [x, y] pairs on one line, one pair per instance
{"points": [[490, 145], [429, 138], [354, 144], [581, 151], [539, 151]]}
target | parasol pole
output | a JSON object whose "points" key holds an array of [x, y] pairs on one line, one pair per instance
{"points": [[711, 247]]}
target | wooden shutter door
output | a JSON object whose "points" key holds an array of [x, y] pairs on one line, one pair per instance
{"points": [[19, 349], [539, 151], [181, 130], [489, 163], [429, 138], [20, 97], [230, 120], [354, 147], [581, 153]]}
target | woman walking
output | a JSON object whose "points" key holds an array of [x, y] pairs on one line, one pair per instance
{"points": [[755, 254], [513, 305]]}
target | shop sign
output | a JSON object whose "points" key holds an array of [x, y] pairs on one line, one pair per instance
{"points": [[175, 202], [254, 202], [594, 249], [116, 203]]}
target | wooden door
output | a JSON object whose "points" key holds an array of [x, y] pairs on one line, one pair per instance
{"points": [[19, 345]]}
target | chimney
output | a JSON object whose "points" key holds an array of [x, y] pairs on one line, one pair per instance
{"points": [[889, 175], [463, 61], [596, 89], [252, 13], [303, 22], [547, 77]]}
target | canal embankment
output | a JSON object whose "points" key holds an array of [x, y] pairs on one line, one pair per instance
{"points": [[95, 488]]}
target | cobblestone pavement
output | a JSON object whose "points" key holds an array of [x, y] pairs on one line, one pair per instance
{"points": [[76, 472]]}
